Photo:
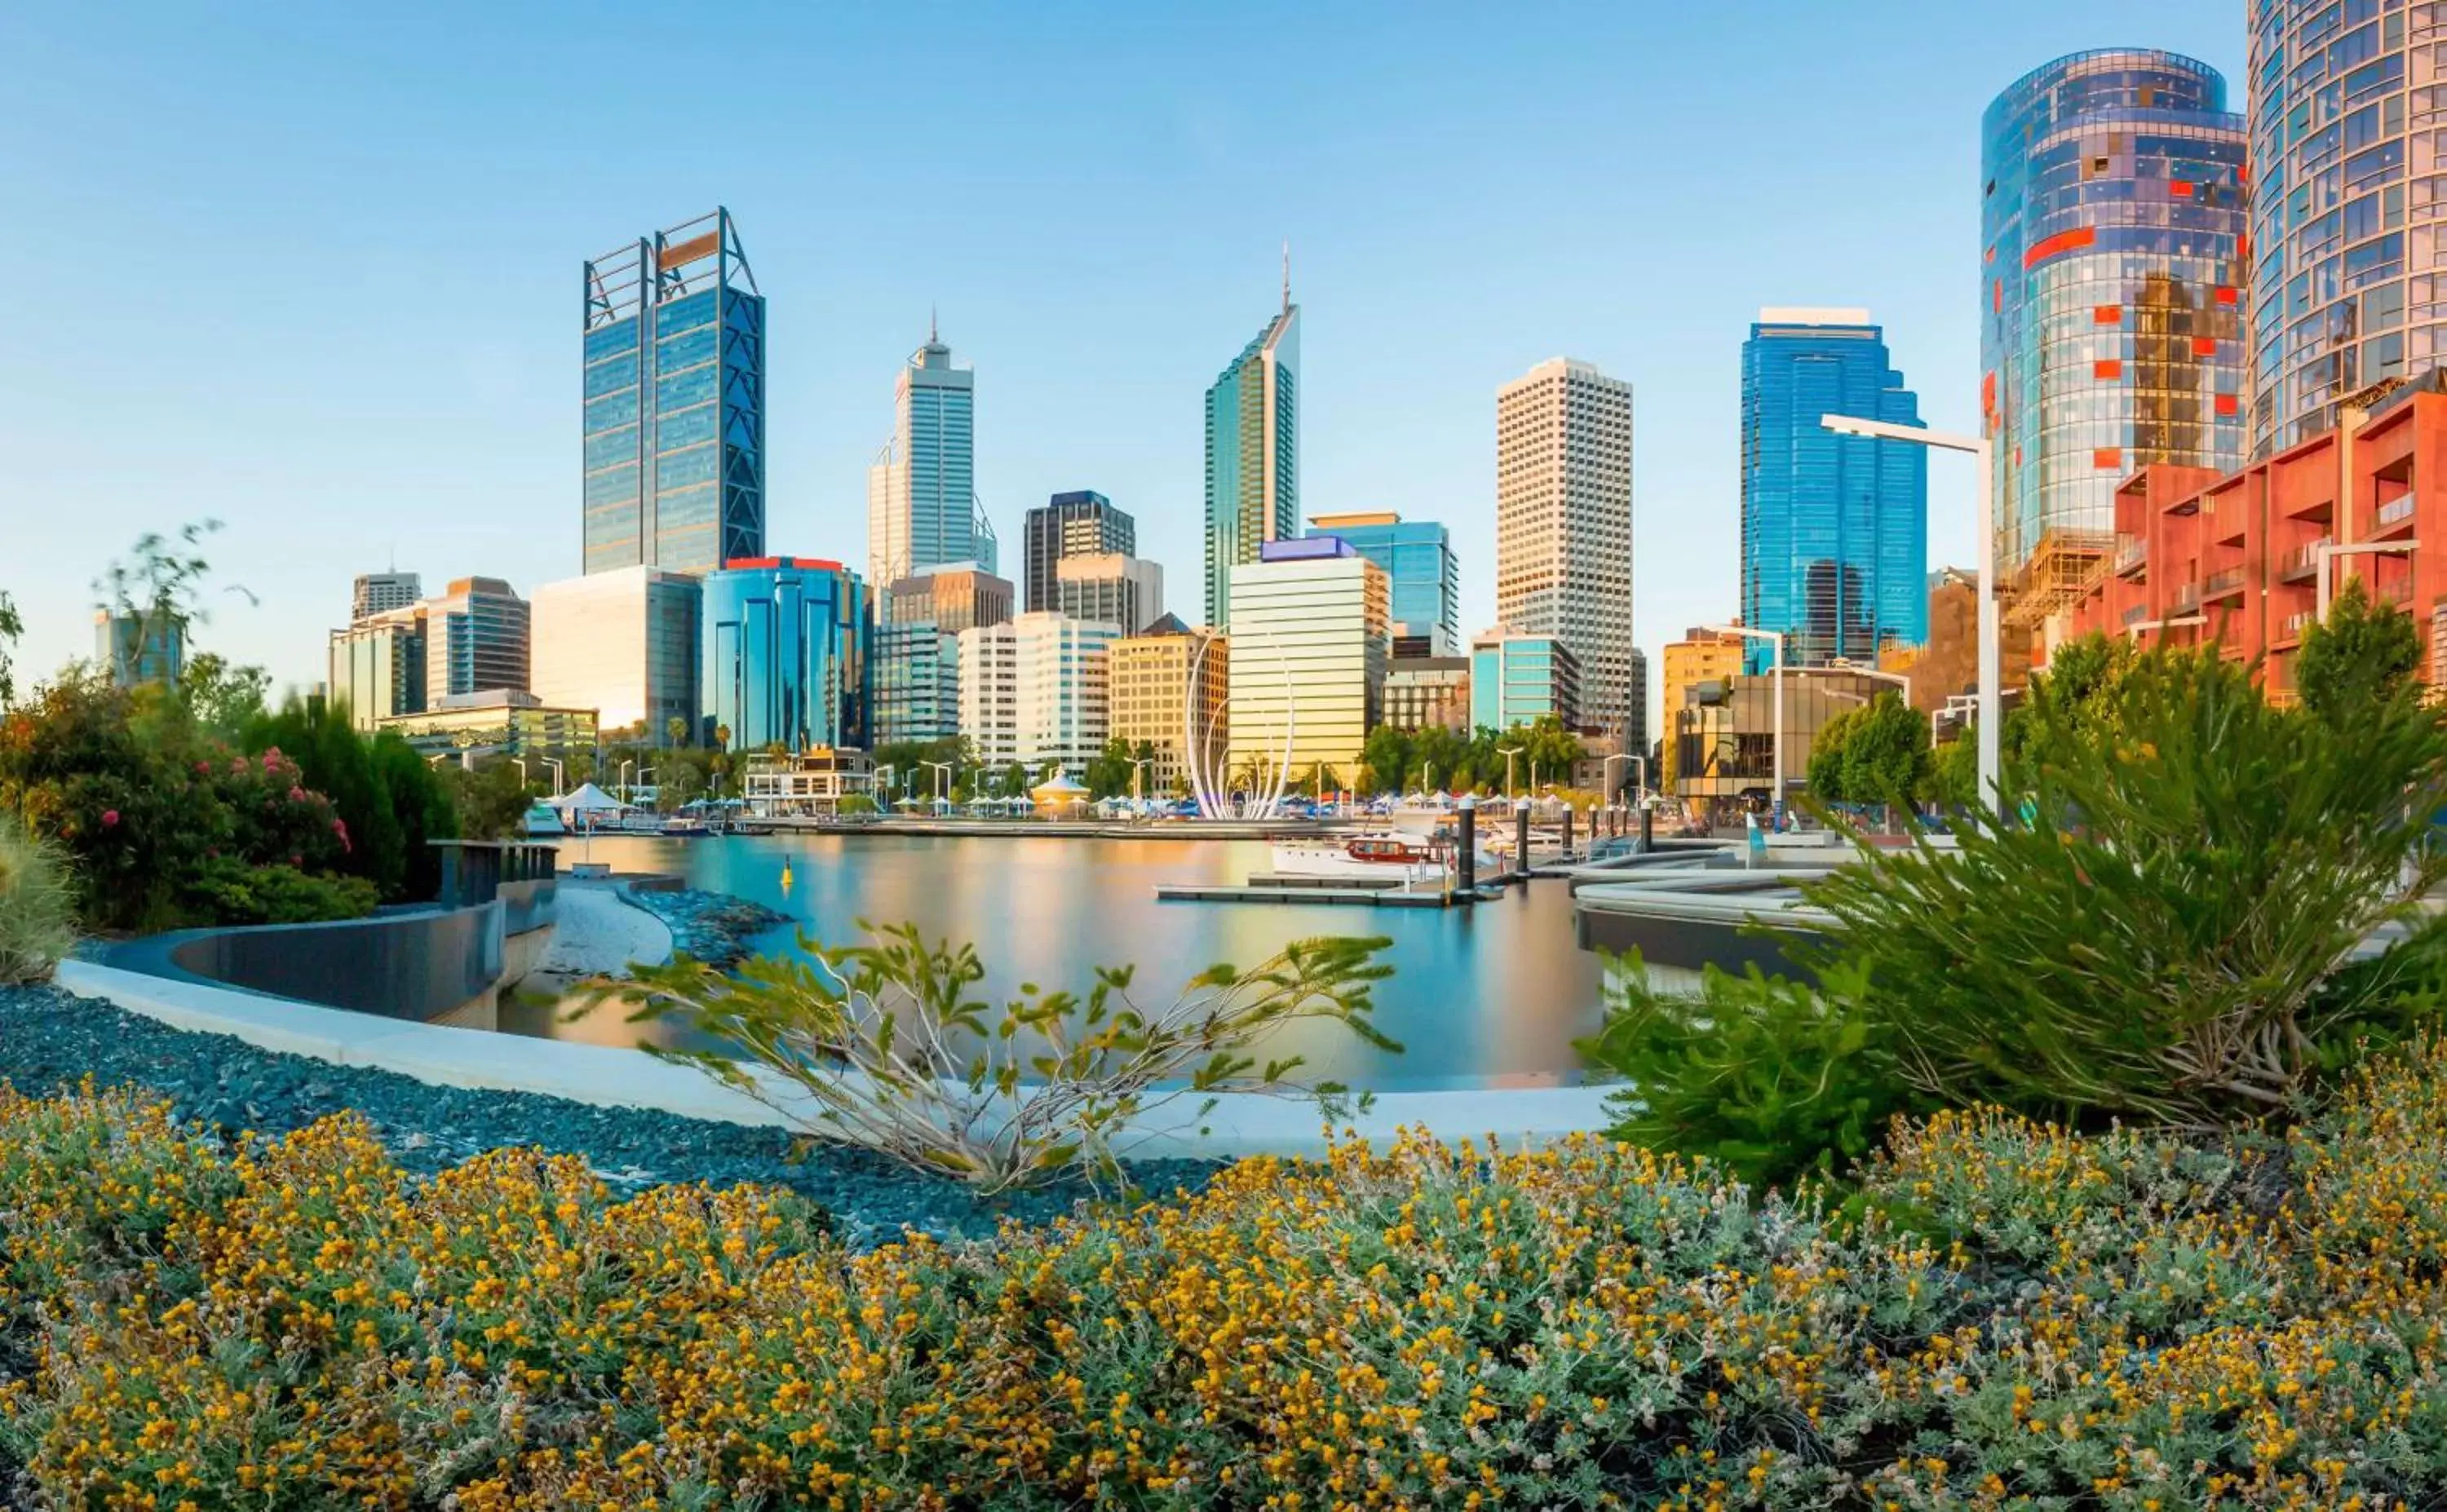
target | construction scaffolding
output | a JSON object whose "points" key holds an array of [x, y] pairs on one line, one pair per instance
{"points": [[2060, 569]]}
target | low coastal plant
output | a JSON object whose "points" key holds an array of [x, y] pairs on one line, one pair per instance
{"points": [[37, 906], [2122, 1321], [889, 1045]]}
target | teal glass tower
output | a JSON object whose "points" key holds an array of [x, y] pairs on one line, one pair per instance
{"points": [[674, 401], [1835, 528], [1424, 576], [1253, 453], [787, 654]]}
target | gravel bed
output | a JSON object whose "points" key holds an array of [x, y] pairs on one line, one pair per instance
{"points": [[51, 1039], [715, 928]]}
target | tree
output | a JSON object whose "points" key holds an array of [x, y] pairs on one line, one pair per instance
{"points": [[492, 799], [1877, 754], [1109, 774], [1014, 781], [1826, 774], [10, 628], [1548, 747], [156, 593], [678, 730], [1386, 759], [2364, 655], [1442, 758], [223, 699]]}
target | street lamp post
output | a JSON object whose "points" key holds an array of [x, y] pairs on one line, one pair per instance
{"points": [[560, 774], [1991, 700], [1775, 639], [1508, 752], [2329, 552], [942, 780], [1138, 778]]}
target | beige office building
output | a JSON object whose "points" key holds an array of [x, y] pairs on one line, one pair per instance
{"points": [[1034, 691], [1310, 625], [1111, 588], [627, 643], [1150, 678], [1699, 656], [1563, 523]]}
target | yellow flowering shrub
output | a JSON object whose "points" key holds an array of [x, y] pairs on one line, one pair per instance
{"points": [[2029, 1319]]}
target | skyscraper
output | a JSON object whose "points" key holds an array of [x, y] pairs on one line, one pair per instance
{"points": [[2111, 337], [380, 592], [1253, 452], [674, 401], [1036, 689], [1417, 557], [2346, 217], [1083, 523], [786, 643], [922, 494], [1563, 523], [1111, 589], [1835, 528], [476, 641]]}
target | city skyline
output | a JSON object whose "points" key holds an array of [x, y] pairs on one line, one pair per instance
{"points": [[1396, 383]]}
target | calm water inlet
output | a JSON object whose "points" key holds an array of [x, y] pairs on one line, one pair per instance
{"points": [[1491, 994]]}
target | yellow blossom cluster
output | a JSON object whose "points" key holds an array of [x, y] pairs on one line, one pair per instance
{"points": [[2014, 1316]]}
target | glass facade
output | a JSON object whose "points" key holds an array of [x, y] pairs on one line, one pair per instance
{"points": [[2112, 217], [674, 397], [1517, 680], [476, 641], [1252, 455], [1309, 651], [627, 644], [1417, 557], [1083, 523], [788, 643], [1835, 528], [916, 682], [922, 497], [377, 668], [2349, 210]]}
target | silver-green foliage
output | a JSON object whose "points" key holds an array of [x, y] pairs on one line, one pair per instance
{"points": [[888, 1045], [37, 907]]}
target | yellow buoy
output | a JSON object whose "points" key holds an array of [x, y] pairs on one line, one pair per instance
{"points": [[786, 878]]}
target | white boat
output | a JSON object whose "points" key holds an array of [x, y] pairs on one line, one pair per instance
{"points": [[1379, 857], [542, 822]]}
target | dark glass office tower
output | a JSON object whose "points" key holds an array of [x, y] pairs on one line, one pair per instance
{"points": [[1083, 523], [674, 401]]}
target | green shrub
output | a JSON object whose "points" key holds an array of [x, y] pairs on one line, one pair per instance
{"points": [[37, 906], [222, 890], [883, 1045], [1768, 1079]]}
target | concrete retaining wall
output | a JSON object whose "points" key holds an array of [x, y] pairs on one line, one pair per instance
{"points": [[616, 1077]]}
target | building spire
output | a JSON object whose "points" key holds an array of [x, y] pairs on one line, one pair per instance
{"points": [[932, 327], [1287, 276]]}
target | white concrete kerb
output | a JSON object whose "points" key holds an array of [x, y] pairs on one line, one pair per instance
{"points": [[611, 1076]]}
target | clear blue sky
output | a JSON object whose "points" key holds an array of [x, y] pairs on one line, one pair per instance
{"points": [[315, 272]]}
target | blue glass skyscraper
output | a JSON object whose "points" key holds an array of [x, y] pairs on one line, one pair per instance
{"points": [[1417, 557], [1835, 528], [1253, 453], [674, 401], [788, 643]]}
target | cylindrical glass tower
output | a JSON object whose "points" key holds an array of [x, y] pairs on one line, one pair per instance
{"points": [[2111, 216], [2349, 213]]}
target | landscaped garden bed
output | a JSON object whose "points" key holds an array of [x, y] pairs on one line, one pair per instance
{"points": [[2014, 1316]]}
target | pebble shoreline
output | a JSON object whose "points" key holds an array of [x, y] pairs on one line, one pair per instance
{"points": [[52, 1040]]}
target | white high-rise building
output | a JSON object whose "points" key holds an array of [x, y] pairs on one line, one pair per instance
{"points": [[1311, 636], [1111, 588], [381, 593], [1036, 689], [1563, 523], [921, 493]]}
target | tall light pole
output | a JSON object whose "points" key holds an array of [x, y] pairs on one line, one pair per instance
{"points": [[1991, 700], [1775, 638], [560, 774], [2329, 552], [1508, 752], [942, 778]]}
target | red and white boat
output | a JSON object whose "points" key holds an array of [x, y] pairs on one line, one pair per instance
{"points": [[1378, 858]]}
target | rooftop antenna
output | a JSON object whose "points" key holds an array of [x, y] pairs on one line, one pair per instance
{"points": [[933, 329], [1287, 276]]}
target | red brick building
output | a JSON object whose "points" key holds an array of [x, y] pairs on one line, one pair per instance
{"points": [[2234, 560]]}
